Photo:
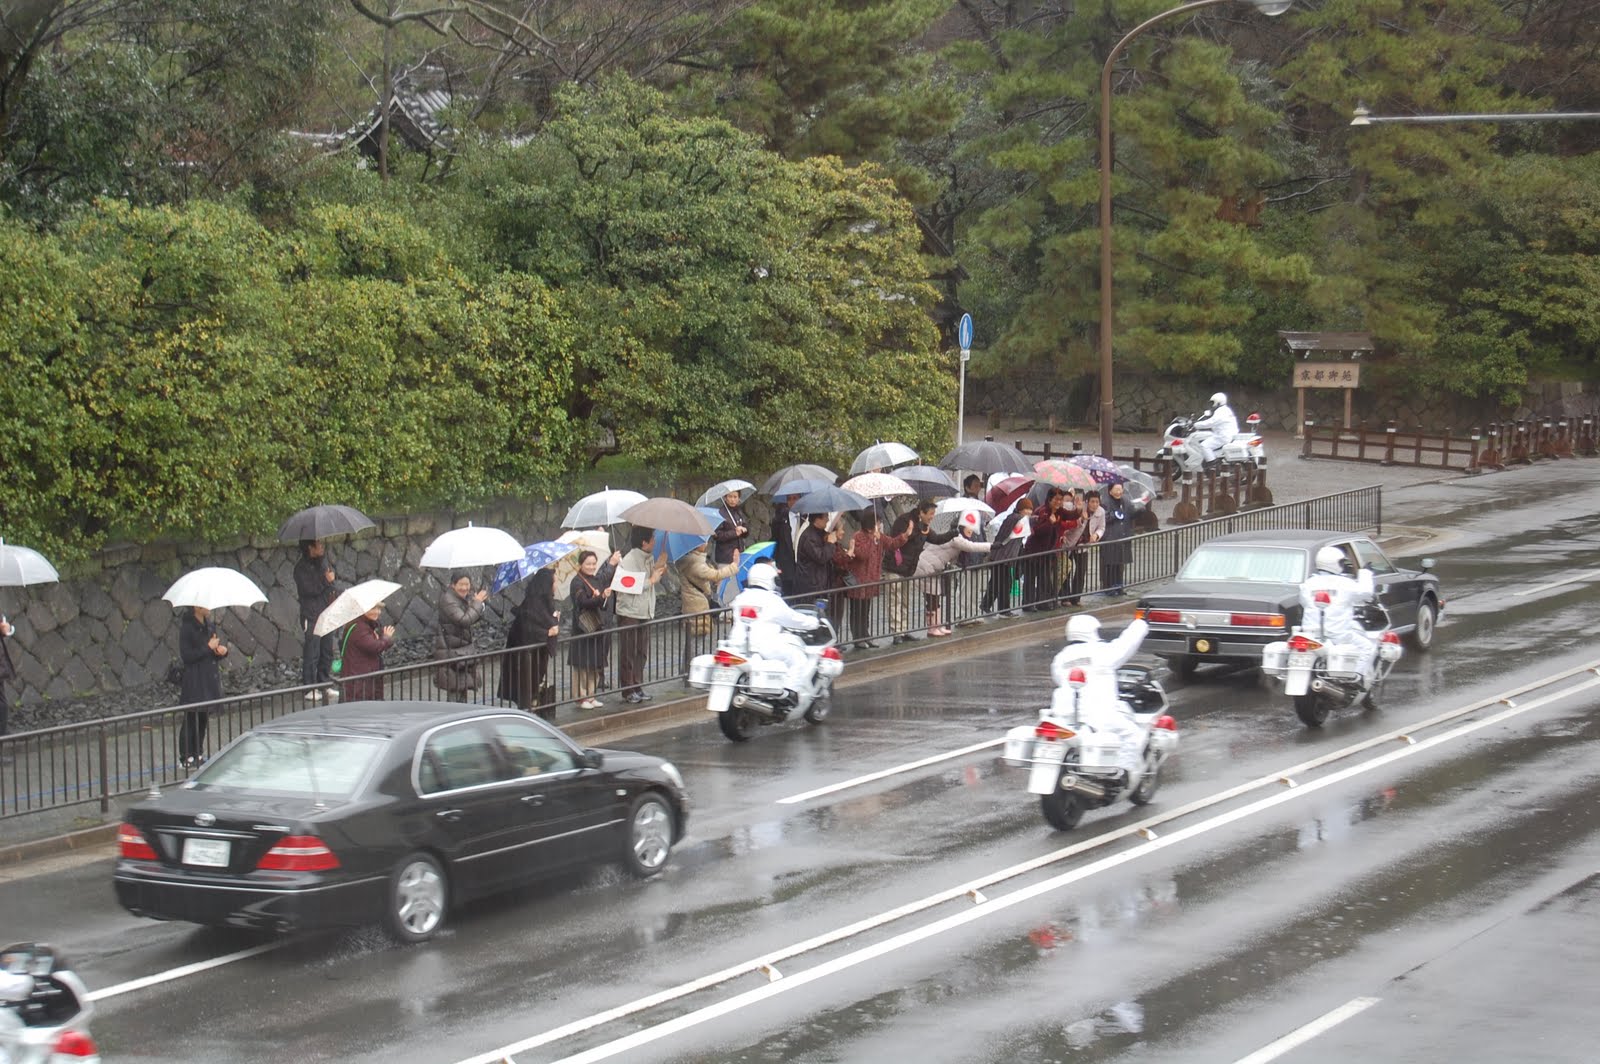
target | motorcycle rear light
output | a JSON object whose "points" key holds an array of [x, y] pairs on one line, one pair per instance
{"points": [[1166, 722], [132, 845], [1256, 620], [1050, 731], [1077, 678], [1255, 441], [1390, 637], [74, 1044], [832, 654], [1175, 443], [1164, 617], [726, 659], [1322, 598], [1300, 644], [748, 613], [298, 853]]}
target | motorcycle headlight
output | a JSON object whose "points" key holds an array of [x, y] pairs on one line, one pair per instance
{"points": [[670, 770]]}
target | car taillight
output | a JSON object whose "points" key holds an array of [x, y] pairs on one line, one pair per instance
{"points": [[1256, 620], [1322, 598], [1077, 677], [1166, 723], [1390, 637], [727, 659], [832, 654], [1050, 731], [74, 1044], [132, 845], [298, 853], [1164, 617], [1300, 644], [748, 613]]}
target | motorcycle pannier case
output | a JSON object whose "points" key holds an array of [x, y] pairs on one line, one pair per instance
{"points": [[1019, 745], [769, 677], [700, 670], [1273, 656], [1389, 651], [1099, 750], [1344, 662]]}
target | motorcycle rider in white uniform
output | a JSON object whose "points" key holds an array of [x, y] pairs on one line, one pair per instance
{"points": [[1222, 422], [1100, 706], [1336, 621], [769, 633]]}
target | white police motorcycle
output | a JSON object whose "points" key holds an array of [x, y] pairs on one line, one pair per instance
{"points": [[1322, 675], [1072, 767], [44, 1009], [746, 691], [1182, 443]]}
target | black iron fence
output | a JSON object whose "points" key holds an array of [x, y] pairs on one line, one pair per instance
{"points": [[97, 761]]}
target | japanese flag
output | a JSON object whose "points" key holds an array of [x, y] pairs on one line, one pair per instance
{"points": [[970, 519], [629, 581]]}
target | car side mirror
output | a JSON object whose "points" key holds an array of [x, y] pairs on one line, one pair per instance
{"points": [[1427, 564], [591, 759]]}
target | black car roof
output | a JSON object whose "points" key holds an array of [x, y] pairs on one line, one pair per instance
{"points": [[383, 719], [1287, 537]]}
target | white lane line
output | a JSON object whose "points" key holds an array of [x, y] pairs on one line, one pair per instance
{"points": [[995, 905], [662, 997], [886, 773], [182, 972], [1300, 1036], [1587, 574]]}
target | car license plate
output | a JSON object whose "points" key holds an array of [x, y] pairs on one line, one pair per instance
{"points": [[724, 675], [207, 853]]}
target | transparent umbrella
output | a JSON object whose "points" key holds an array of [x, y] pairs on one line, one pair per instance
{"points": [[21, 566]]}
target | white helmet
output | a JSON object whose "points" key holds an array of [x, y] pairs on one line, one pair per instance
{"points": [[763, 574], [1083, 628], [1219, 399], [1330, 560]]}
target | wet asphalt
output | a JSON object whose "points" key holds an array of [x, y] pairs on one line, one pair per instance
{"points": [[1445, 902]]}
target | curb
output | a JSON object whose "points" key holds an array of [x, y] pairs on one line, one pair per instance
{"points": [[55, 845]]}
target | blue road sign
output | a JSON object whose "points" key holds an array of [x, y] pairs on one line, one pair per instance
{"points": [[964, 332]]}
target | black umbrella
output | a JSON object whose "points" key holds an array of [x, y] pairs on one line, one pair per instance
{"points": [[320, 522], [987, 457]]}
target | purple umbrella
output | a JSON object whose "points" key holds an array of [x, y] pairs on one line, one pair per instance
{"points": [[1103, 470]]}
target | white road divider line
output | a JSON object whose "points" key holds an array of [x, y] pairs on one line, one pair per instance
{"points": [[1586, 574], [909, 766], [991, 905], [181, 972], [1300, 1036]]}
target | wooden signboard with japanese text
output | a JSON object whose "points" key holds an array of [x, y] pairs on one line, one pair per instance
{"points": [[1327, 374]]}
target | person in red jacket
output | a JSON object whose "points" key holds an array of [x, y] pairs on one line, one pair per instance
{"points": [[862, 562], [364, 643]]}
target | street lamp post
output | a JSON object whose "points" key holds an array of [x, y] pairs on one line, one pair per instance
{"points": [[1266, 7]]}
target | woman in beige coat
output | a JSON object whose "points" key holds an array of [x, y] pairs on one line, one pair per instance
{"points": [[700, 579]]}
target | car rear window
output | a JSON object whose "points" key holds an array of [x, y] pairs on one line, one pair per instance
{"points": [[325, 766], [1253, 564]]}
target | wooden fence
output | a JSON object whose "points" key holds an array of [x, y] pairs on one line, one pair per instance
{"points": [[1501, 444]]}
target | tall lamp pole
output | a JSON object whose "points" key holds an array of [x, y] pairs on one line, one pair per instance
{"points": [[1107, 406]]}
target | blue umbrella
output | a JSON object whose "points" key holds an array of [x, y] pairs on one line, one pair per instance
{"points": [[676, 544], [747, 558], [828, 500], [535, 556]]}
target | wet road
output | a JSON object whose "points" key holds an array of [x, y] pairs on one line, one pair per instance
{"points": [[1409, 900]]}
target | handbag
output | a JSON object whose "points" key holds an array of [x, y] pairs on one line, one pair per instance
{"points": [[590, 621], [338, 662], [175, 674]]}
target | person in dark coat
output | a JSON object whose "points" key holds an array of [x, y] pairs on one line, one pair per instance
{"points": [[459, 609], [524, 676], [363, 643], [7, 672], [1038, 564], [1009, 537], [1115, 550], [731, 535], [200, 649], [813, 561], [591, 644], [313, 584], [784, 543], [910, 533]]}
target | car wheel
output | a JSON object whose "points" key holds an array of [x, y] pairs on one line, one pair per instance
{"points": [[736, 724], [1062, 809], [1421, 637], [649, 835], [1311, 710], [419, 898]]}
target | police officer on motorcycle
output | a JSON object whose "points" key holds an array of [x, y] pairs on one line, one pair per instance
{"points": [[1221, 422], [1100, 706], [769, 632], [1328, 601]]}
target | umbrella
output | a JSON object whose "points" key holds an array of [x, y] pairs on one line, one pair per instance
{"points": [[352, 603], [748, 558], [320, 522], [668, 515], [214, 587], [535, 556], [676, 544], [828, 500], [21, 566], [467, 548], [927, 481], [1142, 490], [987, 456], [1008, 491], [1061, 473], [601, 508], [878, 486], [567, 565], [883, 456], [1103, 470], [713, 495], [797, 472], [969, 512], [802, 487]]}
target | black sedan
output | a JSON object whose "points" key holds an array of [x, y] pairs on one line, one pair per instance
{"points": [[391, 812], [1239, 592]]}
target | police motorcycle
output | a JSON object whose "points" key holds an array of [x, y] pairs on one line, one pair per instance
{"points": [[1073, 767], [1182, 444], [1322, 674], [44, 1009], [747, 690]]}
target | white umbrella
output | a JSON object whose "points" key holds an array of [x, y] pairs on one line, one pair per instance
{"points": [[713, 495], [21, 566], [470, 547], [878, 486], [567, 567], [882, 456], [969, 512], [601, 508], [214, 587], [352, 603]]}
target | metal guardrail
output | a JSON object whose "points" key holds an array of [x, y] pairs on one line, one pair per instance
{"points": [[97, 761]]}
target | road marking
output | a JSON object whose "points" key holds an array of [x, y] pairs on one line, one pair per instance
{"points": [[990, 906], [182, 971], [1300, 1036], [886, 773], [1587, 574]]}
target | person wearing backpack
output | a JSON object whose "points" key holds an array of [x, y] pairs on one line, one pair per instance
{"points": [[362, 644]]}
